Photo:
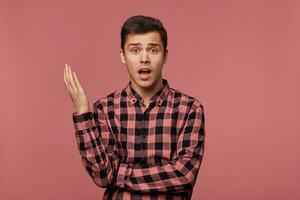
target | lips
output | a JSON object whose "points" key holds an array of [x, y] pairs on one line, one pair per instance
{"points": [[144, 70], [144, 73]]}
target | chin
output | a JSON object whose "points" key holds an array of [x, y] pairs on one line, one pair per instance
{"points": [[145, 83]]}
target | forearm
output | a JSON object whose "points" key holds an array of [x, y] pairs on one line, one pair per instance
{"points": [[176, 176]]}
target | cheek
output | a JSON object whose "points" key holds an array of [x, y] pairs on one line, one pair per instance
{"points": [[131, 60], [159, 61], [131, 67]]}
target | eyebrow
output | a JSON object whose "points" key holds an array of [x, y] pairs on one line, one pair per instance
{"points": [[137, 44]]}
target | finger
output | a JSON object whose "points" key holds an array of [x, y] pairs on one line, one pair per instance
{"points": [[71, 79], [71, 90], [77, 81], [65, 78], [67, 84]]}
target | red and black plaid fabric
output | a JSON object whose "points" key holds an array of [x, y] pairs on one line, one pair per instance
{"points": [[139, 152]]}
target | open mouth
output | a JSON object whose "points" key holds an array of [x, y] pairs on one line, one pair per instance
{"points": [[144, 71]]}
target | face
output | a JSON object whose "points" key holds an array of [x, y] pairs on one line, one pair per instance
{"points": [[144, 51]]}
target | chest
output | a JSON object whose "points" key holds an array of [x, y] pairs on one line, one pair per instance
{"points": [[148, 134]]}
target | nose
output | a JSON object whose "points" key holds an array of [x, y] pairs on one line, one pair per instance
{"points": [[144, 57]]}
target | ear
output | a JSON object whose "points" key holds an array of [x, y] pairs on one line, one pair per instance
{"points": [[166, 56], [122, 56]]}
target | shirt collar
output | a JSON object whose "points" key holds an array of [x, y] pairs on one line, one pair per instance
{"points": [[158, 97]]}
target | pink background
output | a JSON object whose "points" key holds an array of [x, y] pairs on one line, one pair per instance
{"points": [[239, 58]]}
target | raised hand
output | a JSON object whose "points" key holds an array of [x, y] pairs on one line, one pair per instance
{"points": [[76, 92]]}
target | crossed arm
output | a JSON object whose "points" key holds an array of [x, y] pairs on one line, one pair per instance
{"points": [[100, 155]]}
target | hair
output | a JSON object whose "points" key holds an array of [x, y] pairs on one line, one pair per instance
{"points": [[143, 24]]}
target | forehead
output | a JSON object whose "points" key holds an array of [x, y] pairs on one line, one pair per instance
{"points": [[143, 39]]}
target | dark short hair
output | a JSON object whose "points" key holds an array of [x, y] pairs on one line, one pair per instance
{"points": [[143, 24]]}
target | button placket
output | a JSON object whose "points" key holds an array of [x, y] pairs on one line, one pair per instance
{"points": [[143, 136]]}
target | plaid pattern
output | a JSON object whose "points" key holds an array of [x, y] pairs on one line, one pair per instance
{"points": [[139, 152]]}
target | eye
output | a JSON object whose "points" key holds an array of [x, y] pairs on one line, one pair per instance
{"points": [[135, 50], [154, 50]]}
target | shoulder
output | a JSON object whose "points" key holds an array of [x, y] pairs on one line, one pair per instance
{"points": [[186, 99], [108, 100]]}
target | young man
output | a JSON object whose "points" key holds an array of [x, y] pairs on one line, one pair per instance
{"points": [[145, 141]]}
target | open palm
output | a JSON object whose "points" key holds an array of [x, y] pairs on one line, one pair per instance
{"points": [[76, 92]]}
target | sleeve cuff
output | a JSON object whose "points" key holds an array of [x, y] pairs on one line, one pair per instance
{"points": [[83, 121], [123, 172]]}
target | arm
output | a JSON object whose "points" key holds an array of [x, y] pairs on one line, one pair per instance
{"points": [[97, 145], [179, 174]]}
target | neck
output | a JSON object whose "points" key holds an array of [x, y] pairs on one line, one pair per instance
{"points": [[147, 93]]}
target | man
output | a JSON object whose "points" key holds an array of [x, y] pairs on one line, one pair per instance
{"points": [[145, 141]]}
